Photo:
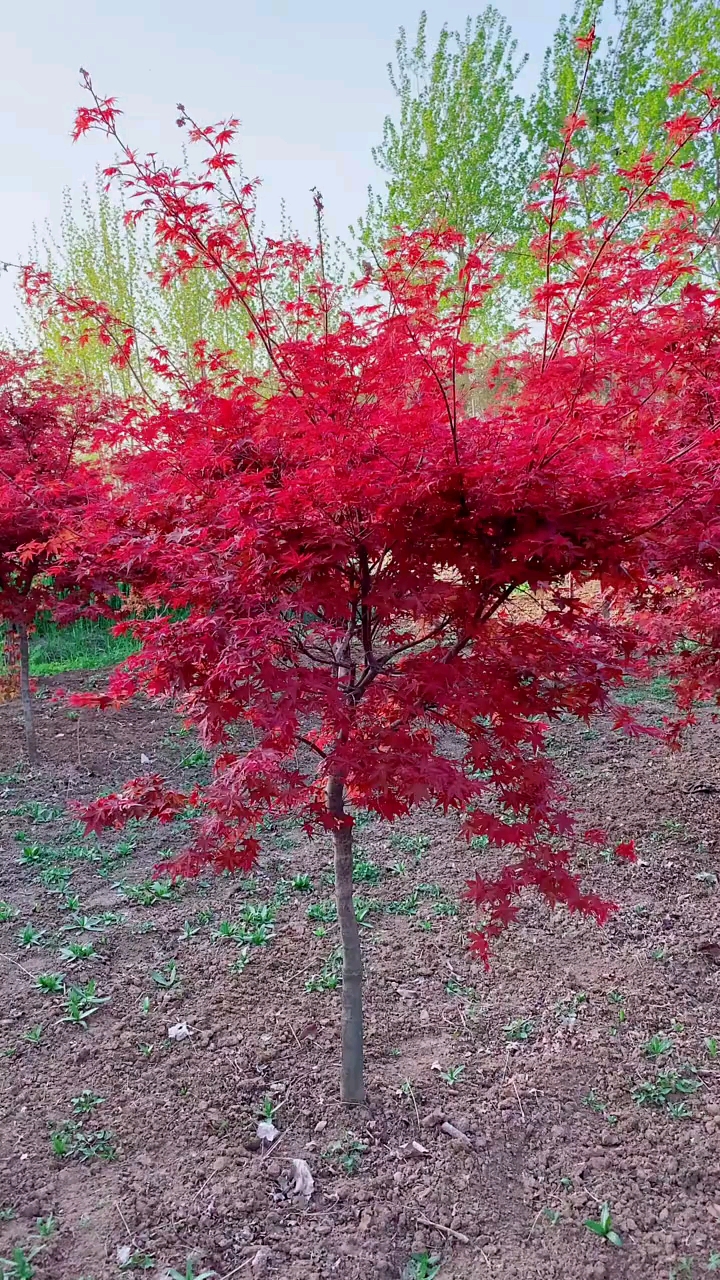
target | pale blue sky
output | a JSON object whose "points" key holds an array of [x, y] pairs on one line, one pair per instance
{"points": [[308, 81]]}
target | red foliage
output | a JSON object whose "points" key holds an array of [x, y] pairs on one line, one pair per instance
{"points": [[47, 483], [338, 544]]}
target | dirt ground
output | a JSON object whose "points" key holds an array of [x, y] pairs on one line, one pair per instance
{"points": [[582, 1070]]}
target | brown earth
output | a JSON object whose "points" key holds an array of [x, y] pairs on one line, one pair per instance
{"points": [[552, 1128]]}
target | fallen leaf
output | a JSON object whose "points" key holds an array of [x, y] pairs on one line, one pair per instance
{"points": [[304, 1183], [143, 758], [321, 1124], [123, 1254], [267, 1132], [180, 1031]]}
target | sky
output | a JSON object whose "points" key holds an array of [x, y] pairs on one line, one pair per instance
{"points": [[308, 81]]}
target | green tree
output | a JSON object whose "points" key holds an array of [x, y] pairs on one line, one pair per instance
{"points": [[458, 151], [657, 43]]}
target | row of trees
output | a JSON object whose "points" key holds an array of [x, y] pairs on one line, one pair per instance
{"points": [[325, 544], [465, 148]]}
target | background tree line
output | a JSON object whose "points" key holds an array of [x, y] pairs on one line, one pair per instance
{"points": [[463, 147]]}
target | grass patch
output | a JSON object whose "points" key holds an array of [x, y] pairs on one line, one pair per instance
{"points": [[81, 646]]}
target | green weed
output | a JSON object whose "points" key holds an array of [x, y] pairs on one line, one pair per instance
{"points": [[82, 1002]]}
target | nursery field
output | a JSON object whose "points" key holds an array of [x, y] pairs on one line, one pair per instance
{"points": [[505, 1109]]}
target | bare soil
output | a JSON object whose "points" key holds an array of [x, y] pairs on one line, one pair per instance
{"points": [[552, 1042]]}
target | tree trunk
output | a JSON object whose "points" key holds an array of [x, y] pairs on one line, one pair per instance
{"points": [[25, 695], [352, 1090]]}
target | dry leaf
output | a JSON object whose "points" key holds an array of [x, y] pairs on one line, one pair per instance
{"points": [[303, 1184], [143, 758], [123, 1254], [267, 1132]]}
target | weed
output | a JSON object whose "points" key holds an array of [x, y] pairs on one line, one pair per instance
{"points": [[86, 1102], [75, 951], [82, 1002], [167, 975], [454, 987], [452, 1075], [407, 907], [51, 984], [714, 1262], [7, 912], [46, 1227], [329, 979], [712, 1045], [601, 1108], [81, 923], [445, 909], [302, 883], [149, 892], [416, 845], [422, 1266], [33, 1035], [660, 1091], [365, 871], [679, 1110], [519, 1029], [56, 879], [658, 1045], [398, 868], [197, 759], [71, 1142], [227, 932], [37, 811], [146, 1049], [323, 911], [552, 1216], [7, 1213], [683, 1267], [19, 1265], [31, 937], [205, 917], [70, 902], [603, 1227], [568, 1009], [617, 999], [347, 1153]]}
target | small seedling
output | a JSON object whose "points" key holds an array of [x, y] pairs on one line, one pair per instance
{"points": [[75, 951], [242, 962], [146, 1049], [51, 984], [227, 932], [445, 909], [452, 1075], [597, 1105], [519, 1029], [138, 1262], [714, 1262], [679, 1110], [7, 1213], [617, 999], [422, 1266], [167, 976], [407, 907], [683, 1267], [34, 1035], [82, 1002], [712, 1045], [658, 1045], [46, 1227], [603, 1227], [658, 1092], [189, 931], [7, 912], [86, 1102], [189, 1273], [31, 937]]}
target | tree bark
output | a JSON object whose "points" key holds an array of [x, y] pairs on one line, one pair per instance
{"points": [[25, 695], [352, 1090]]}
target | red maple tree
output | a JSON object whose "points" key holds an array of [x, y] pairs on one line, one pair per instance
{"points": [[47, 482], [338, 544]]}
